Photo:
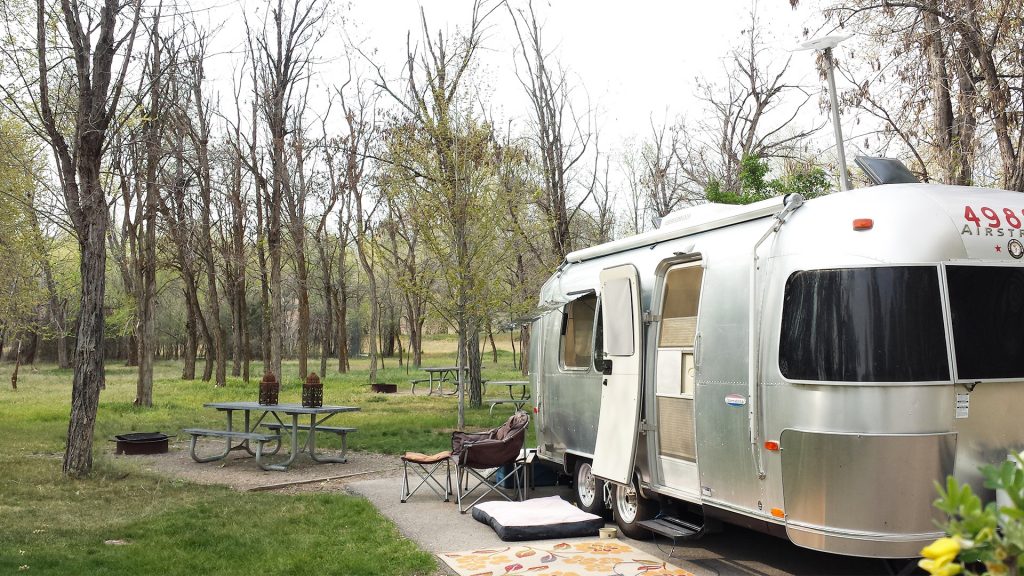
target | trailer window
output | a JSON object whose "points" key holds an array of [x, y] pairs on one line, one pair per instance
{"points": [[987, 303], [577, 332], [864, 325]]}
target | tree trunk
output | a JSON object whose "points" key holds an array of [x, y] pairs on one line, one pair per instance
{"points": [[341, 310], [276, 298], [474, 361], [261, 256], [302, 287], [89, 376], [341, 302], [494, 347], [246, 347], [216, 329], [188, 371], [17, 365], [401, 352], [131, 349], [524, 350], [28, 356], [58, 316], [328, 321]]}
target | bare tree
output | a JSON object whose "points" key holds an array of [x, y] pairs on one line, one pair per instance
{"points": [[753, 114], [234, 247], [77, 132], [662, 177], [197, 120], [965, 99], [560, 135], [353, 152], [281, 57]]}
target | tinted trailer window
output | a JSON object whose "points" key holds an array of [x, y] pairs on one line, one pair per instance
{"points": [[864, 325], [987, 304]]}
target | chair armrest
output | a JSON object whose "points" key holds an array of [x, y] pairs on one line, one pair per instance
{"points": [[460, 439]]}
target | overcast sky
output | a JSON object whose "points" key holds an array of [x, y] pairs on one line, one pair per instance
{"points": [[629, 60]]}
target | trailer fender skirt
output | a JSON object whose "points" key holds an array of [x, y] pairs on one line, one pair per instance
{"points": [[863, 494]]}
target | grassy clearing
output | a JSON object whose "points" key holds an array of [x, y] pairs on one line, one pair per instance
{"points": [[55, 525]]}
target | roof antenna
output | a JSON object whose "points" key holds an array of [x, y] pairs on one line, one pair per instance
{"points": [[826, 44]]}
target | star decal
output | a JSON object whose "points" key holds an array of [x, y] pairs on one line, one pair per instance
{"points": [[999, 248]]}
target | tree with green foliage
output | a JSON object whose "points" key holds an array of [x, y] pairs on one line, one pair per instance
{"points": [[989, 535], [21, 254], [449, 150], [754, 185]]}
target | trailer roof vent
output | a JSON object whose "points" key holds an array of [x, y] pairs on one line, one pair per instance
{"points": [[886, 170]]}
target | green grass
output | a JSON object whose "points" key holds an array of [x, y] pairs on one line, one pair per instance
{"points": [[54, 525]]}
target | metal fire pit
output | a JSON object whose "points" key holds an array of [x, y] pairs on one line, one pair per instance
{"points": [[141, 443]]}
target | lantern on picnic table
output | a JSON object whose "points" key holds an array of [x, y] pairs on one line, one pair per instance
{"points": [[269, 388], [312, 391]]}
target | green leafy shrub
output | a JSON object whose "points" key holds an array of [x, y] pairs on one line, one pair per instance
{"points": [[988, 536]]}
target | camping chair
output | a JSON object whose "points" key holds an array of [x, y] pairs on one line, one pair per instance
{"points": [[485, 453], [425, 466]]}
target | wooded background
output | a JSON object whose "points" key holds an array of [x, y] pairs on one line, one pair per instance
{"points": [[145, 215]]}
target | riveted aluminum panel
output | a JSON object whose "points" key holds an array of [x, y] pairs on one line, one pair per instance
{"points": [[848, 486]]}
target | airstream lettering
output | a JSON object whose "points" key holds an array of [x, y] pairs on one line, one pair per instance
{"points": [[809, 369]]}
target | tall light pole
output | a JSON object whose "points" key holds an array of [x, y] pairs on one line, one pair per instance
{"points": [[826, 45]]}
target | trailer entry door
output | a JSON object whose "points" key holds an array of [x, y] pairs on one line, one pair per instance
{"points": [[620, 390]]}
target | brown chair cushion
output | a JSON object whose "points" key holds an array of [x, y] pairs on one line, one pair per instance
{"points": [[419, 458]]}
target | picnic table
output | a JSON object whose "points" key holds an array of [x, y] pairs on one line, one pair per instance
{"points": [[520, 401], [440, 374], [318, 415]]}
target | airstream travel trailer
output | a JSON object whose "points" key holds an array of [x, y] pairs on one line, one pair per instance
{"points": [[809, 369]]}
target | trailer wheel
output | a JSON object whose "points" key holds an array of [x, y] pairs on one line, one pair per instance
{"points": [[630, 509], [589, 490]]}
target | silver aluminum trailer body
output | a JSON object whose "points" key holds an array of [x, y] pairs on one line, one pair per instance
{"points": [[801, 377]]}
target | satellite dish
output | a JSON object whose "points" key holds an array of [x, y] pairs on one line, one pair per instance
{"points": [[824, 43]]}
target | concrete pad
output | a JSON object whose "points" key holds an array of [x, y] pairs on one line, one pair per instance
{"points": [[437, 526]]}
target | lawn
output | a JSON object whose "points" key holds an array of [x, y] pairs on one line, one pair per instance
{"points": [[53, 525]]}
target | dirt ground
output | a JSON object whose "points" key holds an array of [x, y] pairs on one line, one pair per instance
{"points": [[239, 469]]}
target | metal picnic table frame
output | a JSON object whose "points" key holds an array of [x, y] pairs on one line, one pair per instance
{"points": [[442, 374], [522, 400], [293, 410]]}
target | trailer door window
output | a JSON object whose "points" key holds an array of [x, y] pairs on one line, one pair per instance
{"points": [[864, 325], [577, 332], [987, 303]]}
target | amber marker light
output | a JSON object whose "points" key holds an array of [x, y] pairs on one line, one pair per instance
{"points": [[863, 223], [771, 445], [778, 513]]}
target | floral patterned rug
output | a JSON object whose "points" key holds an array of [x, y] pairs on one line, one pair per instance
{"points": [[581, 558]]}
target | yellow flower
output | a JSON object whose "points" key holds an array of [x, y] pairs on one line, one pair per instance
{"points": [[942, 547], [939, 556], [935, 568]]}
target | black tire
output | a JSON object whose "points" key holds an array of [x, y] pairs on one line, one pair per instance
{"points": [[589, 491], [630, 508]]}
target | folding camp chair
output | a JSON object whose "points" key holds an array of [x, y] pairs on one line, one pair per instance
{"points": [[425, 466], [483, 454]]}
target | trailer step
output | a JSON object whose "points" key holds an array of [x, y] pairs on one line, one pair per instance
{"points": [[673, 528]]}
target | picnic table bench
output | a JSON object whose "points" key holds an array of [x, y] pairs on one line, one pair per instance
{"points": [[339, 430], [229, 435], [429, 381], [519, 403], [522, 400]]}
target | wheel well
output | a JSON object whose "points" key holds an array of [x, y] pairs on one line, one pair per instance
{"points": [[569, 463]]}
